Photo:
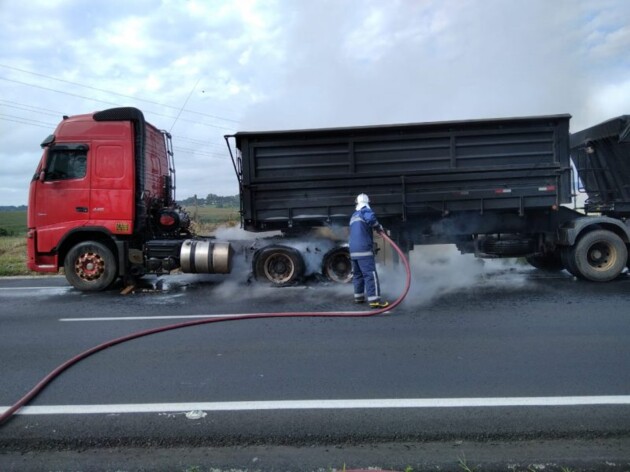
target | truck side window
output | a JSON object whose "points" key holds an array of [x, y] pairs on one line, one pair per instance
{"points": [[65, 164]]}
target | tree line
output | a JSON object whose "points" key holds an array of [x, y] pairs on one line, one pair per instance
{"points": [[211, 199], [217, 201]]}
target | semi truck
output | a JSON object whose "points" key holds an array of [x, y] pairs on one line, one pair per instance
{"points": [[102, 203]]}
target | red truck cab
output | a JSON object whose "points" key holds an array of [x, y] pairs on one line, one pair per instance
{"points": [[101, 179]]}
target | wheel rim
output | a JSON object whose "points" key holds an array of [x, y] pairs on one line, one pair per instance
{"points": [[279, 268], [89, 266], [339, 268], [601, 256]]}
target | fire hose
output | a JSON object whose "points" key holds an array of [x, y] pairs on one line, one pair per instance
{"points": [[74, 360]]}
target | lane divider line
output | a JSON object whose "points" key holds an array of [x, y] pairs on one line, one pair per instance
{"points": [[60, 287], [386, 403]]}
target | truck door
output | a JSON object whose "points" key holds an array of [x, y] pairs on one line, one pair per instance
{"points": [[62, 194]]}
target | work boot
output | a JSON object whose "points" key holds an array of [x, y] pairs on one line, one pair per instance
{"points": [[359, 299], [379, 304]]}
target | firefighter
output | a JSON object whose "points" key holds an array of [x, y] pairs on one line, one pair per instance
{"points": [[364, 277]]}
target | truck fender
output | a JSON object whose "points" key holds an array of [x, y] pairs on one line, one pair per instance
{"points": [[83, 233], [569, 232]]}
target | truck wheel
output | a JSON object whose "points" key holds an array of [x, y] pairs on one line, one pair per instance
{"points": [[279, 265], [569, 263], [550, 262], [599, 256], [90, 266], [337, 265]]}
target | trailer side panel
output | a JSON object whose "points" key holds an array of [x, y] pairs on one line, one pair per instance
{"points": [[310, 177]]}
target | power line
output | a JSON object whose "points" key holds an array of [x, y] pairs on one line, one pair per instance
{"points": [[178, 139], [26, 121], [105, 101], [30, 106], [48, 111], [116, 93], [17, 107], [184, 105], [42, 124], [200, 153]]}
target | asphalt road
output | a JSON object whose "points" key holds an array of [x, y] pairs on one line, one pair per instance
{"points": [[476, 355]]}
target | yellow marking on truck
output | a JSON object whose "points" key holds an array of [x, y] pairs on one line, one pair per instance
{"points": [[122, 227]]}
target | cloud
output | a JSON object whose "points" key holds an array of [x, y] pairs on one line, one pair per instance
{"points": [[444, 60], [246, 65]]}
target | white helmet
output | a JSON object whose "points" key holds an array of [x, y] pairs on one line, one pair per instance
{"points": [[362, 200]]}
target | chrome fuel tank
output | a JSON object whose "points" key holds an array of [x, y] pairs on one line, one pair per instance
{"points": [[203, 256]]}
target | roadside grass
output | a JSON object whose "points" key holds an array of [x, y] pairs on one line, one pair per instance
{"points": [[464, 465], [13, 243], [13, 256]]}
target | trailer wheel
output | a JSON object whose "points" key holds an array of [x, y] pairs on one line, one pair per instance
{"points": [[569, 262], [550, 262], [90, 266], [279, 265], [337, 265], [599, 256]]}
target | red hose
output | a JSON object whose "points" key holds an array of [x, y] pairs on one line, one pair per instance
{"points": [[70, 362]]}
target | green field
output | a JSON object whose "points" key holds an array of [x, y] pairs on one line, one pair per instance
{"points": [[207, 215], [13, 232], [12, 223]]}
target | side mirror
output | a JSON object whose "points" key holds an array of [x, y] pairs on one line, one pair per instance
{"points": [[42, 176]]}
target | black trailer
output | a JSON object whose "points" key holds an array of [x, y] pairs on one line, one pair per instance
{"points": [[602, 158], [303, 178], [496, 187]]}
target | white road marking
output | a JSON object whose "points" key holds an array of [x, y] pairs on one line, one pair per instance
{"points": [[34, 288], [181, 317], [323, 405]]}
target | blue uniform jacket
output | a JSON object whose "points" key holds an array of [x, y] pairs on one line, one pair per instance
{"points": [[362, 223]]}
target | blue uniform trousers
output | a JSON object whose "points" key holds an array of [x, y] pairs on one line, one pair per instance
{"points": [[365, 279]]}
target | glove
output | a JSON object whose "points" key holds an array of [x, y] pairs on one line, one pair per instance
{"points": [[379, 229]]}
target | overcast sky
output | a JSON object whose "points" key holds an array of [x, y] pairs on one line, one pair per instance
{"points": [[203, 69]]}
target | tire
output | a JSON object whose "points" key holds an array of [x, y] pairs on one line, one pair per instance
{"points": [[550, 262], [337, 265], [278, 265], [569, 264], [599, 256], [90, 266]]}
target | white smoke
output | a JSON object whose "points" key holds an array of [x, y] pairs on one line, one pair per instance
{"points": [[312, 247], [437, 270], [241, 282], [236, 233]]}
